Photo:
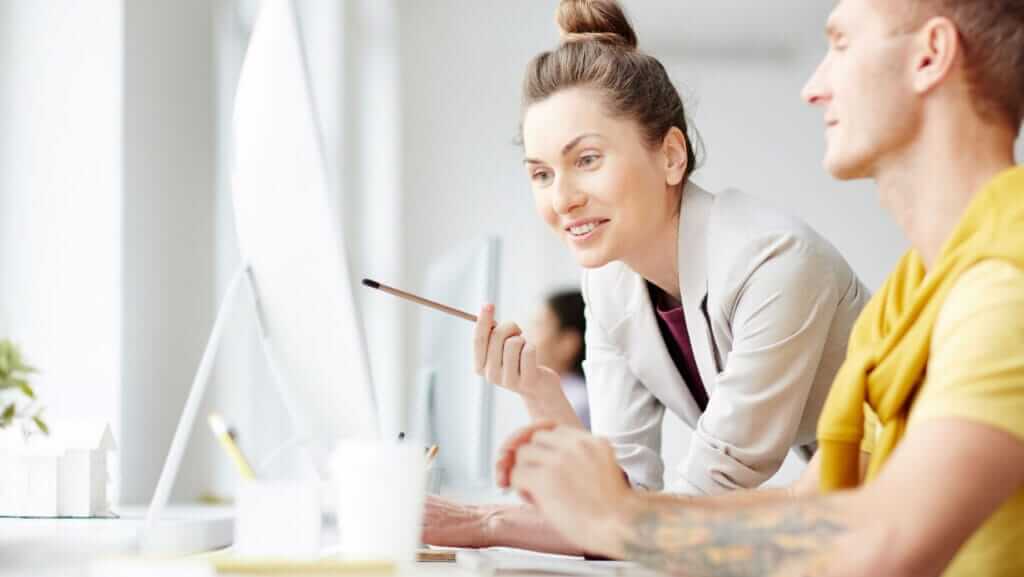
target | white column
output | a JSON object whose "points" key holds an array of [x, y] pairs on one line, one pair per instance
{"points": [[168, 296]]}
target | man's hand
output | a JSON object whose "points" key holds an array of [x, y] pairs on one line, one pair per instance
{"points": [[572, 477]]}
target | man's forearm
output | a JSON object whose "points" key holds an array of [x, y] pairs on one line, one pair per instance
{"points": [[702, 537], [742, 498], [523, 527]]}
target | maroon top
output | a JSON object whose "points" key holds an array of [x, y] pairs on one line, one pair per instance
{"points": [[672, 323]]}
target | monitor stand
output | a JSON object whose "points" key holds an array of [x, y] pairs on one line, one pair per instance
{"points": [[160, 535]]}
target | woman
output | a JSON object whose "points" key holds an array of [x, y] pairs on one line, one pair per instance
{"points": [[557, 333], [722, 309]]}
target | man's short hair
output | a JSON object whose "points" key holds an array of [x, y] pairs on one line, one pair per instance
{"points": [[992, 38]]}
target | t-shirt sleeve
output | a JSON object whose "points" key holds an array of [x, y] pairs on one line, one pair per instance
{"points": [[976, 364]]}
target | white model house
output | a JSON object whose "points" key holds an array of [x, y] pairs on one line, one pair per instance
{"points": [[61, 475]]}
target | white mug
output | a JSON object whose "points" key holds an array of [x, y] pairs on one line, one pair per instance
{"points": [[278, 519], [381, 492]]}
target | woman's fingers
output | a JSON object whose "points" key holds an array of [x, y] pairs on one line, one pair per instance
{"points": [[528, 363], [510, 361], [481, 338], [495, 350]]}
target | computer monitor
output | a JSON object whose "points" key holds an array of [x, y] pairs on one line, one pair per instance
{"points": [[289, 232], [455, 407]]}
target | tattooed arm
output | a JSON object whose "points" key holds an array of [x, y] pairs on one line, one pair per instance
{"points": [[945, 479], [764, 540], [756, 532]]}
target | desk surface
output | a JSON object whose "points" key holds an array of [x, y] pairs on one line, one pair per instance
{"points": [[68, 547], [195, 568]]}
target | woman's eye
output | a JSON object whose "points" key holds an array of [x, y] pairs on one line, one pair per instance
{"points": [[587, 160], [540, 176]]}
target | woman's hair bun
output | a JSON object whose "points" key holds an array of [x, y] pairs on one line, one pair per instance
{"points": [[595, 20]]}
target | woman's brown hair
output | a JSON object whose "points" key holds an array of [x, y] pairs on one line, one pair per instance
{"points": [[599, 51]]}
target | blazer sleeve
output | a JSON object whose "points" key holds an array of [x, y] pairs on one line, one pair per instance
{"points": [[782, 313], [622, 410]]}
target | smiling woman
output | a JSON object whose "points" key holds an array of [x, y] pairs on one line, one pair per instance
{"points": [[718, 307]]}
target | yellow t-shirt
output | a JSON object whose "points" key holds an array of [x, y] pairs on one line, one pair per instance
{"points": [[976, 373]]}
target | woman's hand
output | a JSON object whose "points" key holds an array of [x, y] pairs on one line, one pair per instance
{"points": [[504, 358], [573, 478]]}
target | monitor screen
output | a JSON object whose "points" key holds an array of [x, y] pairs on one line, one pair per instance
{"points": [[289, 231]]}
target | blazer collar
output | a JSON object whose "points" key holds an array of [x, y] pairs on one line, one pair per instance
{"points": [[694, 213], [694, 216]]}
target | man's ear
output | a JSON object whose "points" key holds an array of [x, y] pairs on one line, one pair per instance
{"points": [[936, 51]]}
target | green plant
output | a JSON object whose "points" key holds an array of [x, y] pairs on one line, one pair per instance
{"points": [[16, 394]]}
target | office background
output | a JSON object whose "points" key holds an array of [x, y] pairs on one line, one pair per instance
{"points": [[116, 238]]}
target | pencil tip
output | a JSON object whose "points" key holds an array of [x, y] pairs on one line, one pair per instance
{"points": [[371, 283]]}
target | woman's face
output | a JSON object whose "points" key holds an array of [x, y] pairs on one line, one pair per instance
{"points": [[595, 181]]}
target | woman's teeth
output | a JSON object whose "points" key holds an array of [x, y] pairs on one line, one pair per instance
{"points": [[582, 229]]}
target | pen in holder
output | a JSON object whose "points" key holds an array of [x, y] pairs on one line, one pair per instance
{"points": [[223, 434], [434, 471]]}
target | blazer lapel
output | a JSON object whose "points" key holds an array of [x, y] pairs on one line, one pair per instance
{"points": [[694, 214], [649, 356]]}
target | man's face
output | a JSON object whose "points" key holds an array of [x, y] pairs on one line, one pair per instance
{"points": [[864, 85]]}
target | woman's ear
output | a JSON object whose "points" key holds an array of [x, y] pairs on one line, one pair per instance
{"points": [[674, 150]]}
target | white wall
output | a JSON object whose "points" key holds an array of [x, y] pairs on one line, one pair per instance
{"points": [[60, 201]]}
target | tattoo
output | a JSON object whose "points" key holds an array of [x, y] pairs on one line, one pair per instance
{"points": [[757, 541]]}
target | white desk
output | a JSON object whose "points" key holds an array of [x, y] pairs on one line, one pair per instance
{"points": [[59, 546], [66, 547]]}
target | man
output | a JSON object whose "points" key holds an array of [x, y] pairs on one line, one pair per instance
{"points": [[926, 97]]}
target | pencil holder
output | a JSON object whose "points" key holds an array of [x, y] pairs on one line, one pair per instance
{"points": [[380, 500]]}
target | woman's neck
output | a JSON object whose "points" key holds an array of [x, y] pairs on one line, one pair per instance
{"points": [[658, 260]]}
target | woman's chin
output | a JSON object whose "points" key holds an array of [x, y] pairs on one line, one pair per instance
{"points": [[591, 258]]}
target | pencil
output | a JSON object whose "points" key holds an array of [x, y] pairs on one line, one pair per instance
{"points": [[431, 454], [419, 300], [220, 430]]}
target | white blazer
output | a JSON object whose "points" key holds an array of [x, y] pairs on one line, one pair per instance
{"points": [[769, 305]]}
